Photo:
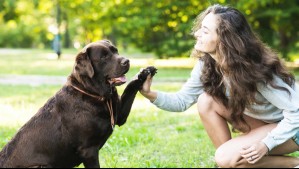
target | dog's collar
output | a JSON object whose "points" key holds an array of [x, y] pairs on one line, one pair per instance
{"points": [[100, 98]]}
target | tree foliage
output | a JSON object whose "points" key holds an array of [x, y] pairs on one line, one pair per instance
{"points": [[276, 21], [154, 25], [162, 27]]}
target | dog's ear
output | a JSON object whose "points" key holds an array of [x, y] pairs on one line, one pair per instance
{"points": [[83, 64]]}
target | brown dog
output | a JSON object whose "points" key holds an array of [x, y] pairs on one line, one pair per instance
{"points": [[75, 123]]}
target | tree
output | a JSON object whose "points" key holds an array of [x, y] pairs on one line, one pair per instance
{"points": [[276, 21], [162, 27]]}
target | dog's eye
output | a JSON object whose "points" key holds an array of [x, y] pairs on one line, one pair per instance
{"points": [[113, 49], [104, 54]]}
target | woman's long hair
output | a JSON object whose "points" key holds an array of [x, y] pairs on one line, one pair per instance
{"points": [[242, 59]]}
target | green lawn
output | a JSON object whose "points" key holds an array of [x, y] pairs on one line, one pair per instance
{"points": [[150, 138], [43, 62]]}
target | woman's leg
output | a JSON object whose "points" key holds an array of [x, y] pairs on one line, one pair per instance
{"points": [[215, 116], [228, 154], [215, 125]]}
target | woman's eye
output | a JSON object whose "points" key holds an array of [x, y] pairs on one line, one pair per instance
{"points": [[205, 31]]}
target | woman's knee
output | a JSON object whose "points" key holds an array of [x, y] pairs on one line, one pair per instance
{"points": [[226, 158], [205, 104], [221, 158]]}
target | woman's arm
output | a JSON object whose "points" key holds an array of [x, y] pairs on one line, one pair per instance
{"points": [[181, 100], [289, 104]]}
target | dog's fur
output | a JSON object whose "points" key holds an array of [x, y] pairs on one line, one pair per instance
{"points": [[75, 123]]}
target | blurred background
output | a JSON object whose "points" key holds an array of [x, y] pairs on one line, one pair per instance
{"points": [[39, 40], [161, 27]]}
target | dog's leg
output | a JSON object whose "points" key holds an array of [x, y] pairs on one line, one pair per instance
{"points": [[90, 157], [91, 163], [130, 92]]}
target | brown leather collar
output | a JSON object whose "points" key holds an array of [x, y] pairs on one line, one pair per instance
{"points": [[100, 98]]}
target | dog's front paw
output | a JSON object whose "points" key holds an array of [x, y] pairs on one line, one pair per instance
{"points": [[141, 77], [145, 72]]}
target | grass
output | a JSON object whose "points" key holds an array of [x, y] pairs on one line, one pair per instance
{"points": [[19, 102], [44, 62], [150, 138]]}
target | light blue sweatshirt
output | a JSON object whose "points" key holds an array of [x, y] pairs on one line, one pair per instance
{"points": [[278, 106]]}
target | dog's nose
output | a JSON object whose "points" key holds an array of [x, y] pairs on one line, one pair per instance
{"points": [[125, 62]]}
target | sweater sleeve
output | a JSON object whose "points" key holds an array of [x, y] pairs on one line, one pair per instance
{"points": [[289, 104], [186, 97]]}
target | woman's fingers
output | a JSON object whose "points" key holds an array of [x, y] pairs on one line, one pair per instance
{"points": [[254, 152]]}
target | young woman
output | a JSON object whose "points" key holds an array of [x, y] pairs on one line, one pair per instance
{"points": [[240, 81]]}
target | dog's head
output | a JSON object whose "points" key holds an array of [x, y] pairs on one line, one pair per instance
{"points": [[99, 64]]}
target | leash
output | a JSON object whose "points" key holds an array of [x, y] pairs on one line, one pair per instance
{"points": [[100, 98]]}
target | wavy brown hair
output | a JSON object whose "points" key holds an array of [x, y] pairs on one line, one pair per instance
{"points": [[242, 59]]}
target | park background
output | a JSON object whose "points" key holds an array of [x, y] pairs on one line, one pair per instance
{"points": [[148, 32]]}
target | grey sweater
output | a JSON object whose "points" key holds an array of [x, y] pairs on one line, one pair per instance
{"points": [[278, 106]]}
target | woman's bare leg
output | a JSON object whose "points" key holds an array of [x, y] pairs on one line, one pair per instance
{"points": [[215, 125], [228, 154], [215, 116]]}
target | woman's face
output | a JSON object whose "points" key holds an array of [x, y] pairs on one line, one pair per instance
{"points": [[206, 36]]}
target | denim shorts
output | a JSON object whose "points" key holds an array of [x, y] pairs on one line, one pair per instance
{"points": [[296, 138]]}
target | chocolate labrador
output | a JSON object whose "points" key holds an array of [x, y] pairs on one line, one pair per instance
{"points": [[75, 123]]}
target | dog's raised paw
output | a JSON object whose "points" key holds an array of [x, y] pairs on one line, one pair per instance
{"points": [[145, 72], [152, 70]]}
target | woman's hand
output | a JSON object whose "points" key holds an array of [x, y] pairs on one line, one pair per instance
{"points": [[254, 152], [146, 89]]}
